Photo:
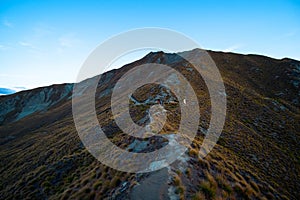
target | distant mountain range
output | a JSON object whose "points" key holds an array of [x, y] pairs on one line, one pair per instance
{"points": [[6, 91], [256, 157]]}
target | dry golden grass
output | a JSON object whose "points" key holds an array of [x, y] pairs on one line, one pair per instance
{"points": [[257, 155]]}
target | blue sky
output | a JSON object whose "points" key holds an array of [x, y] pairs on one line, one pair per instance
{"points": [[45, 42]]}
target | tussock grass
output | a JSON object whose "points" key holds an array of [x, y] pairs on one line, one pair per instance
{"points": [[208, 190]]}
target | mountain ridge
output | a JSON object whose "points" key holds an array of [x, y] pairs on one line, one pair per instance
{"points": [[209, 51]]}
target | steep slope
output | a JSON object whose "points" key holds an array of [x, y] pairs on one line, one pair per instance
{"points": [[257, 155]]}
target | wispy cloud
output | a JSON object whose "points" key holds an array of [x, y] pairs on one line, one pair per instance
{"points": [[290, 34], [20, 88], [35, 42], [7, 23], [32, 49], [42, 30], [233, 48], [68, 40], [3, 47], [27, 44]]}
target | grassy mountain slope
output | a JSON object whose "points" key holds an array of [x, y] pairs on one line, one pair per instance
{"points": [[257, 155]]}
